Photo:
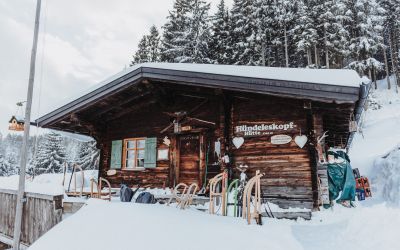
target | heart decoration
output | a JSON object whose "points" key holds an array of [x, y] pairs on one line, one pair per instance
{"points": [[238, 141], [301, 140]]}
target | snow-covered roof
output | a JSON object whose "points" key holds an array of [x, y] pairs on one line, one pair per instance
{"points": [[340, 77], [328, 85]]}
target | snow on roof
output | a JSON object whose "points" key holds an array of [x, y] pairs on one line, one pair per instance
{"points": [[340, 77]]}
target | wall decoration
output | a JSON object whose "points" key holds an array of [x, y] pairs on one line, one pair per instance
{"points": [[301, 140], [166, 141], [217, 148], [111, 172], [162, 154], [225, 159], [280, 139], [238, 141]]}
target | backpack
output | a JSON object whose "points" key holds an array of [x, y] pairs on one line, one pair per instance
{"points": [[126, 193], [146, 197]]}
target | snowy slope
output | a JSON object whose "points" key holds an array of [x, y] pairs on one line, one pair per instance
{"points": [[381, 131]]}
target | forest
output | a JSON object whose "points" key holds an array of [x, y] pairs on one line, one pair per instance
{"points": [[357, 34]]}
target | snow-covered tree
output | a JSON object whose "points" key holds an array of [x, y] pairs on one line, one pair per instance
{"points": [[219, 45], [244, 31], [186, 33], [50, 155], [364, 20], [88, 155], [142, 53], [148, 48]]}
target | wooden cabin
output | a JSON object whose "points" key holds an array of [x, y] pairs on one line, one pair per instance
{"points": [[16, 124], [160, 124]]}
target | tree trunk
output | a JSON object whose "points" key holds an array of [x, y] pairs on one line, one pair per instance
{"points": [[386, 67], [316, 55], [326, 49], [286, 49], [309, 57], [392, 57], [263, 54], [374, 76]]}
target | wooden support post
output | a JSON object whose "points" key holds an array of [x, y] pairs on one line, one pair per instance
{"points": [[24, 149]]}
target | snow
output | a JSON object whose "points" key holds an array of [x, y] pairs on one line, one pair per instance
{"points": [[339, 77], [380, 129], [142, 226]]}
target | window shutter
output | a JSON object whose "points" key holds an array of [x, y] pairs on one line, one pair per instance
{"points": [[150, 153], [116, 154]]}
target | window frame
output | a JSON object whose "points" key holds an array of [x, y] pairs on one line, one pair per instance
{"points": [[125, 150]]}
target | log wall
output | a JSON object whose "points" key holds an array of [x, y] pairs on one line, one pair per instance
{"points": [[40, 214], [287, 168], [148, 122]]}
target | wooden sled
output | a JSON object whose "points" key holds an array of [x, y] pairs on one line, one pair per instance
{"points": [[99, 194], [185, 197], [252, 207], [75, 192], [214, 194]]}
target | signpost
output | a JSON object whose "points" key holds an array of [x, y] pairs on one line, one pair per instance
{"points": [[24, 149]]}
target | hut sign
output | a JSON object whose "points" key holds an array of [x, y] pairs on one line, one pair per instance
{"points": [[263, 129], [280, 139]]}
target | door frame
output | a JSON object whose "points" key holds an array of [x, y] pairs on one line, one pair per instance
{"points": [[175, 164]]}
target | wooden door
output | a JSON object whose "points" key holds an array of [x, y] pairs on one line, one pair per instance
{"points": [[189, 159]]}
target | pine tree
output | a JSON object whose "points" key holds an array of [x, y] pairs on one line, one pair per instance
{"points": [[219, 46], [305, 35], [6, 168], [148, 48], [186, 33], [153, 43], [391, 25], [174, 32], [50, 155], [88, 155], [142, 53], [244, 32], [365, 23]]}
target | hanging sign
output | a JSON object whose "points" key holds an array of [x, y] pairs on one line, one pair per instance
{"points": [[280, 139], [264, 129]]}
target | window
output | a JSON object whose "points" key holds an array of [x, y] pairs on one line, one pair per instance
{"points": [[134, 149]]}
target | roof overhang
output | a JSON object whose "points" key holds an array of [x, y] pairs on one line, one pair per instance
{"points": [[277, 87]]}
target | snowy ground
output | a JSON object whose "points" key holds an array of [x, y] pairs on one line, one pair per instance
{"points": [[373, 224]]}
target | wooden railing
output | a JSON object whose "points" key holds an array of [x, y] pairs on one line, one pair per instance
{"points": [[41, 212]]}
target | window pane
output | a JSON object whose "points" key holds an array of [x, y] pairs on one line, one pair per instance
{"points": [[130, 144], [141, 143], [130, 154], [130, 163], [141, 154], [140, 163]]}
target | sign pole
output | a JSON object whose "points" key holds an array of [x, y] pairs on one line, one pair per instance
{"points": [[24, 149]]}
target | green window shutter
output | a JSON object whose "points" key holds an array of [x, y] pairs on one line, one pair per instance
{"points": [[116, 154], [150, 153]]}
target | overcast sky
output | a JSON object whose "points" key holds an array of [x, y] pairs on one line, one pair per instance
{"points": [[81, 42]]}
